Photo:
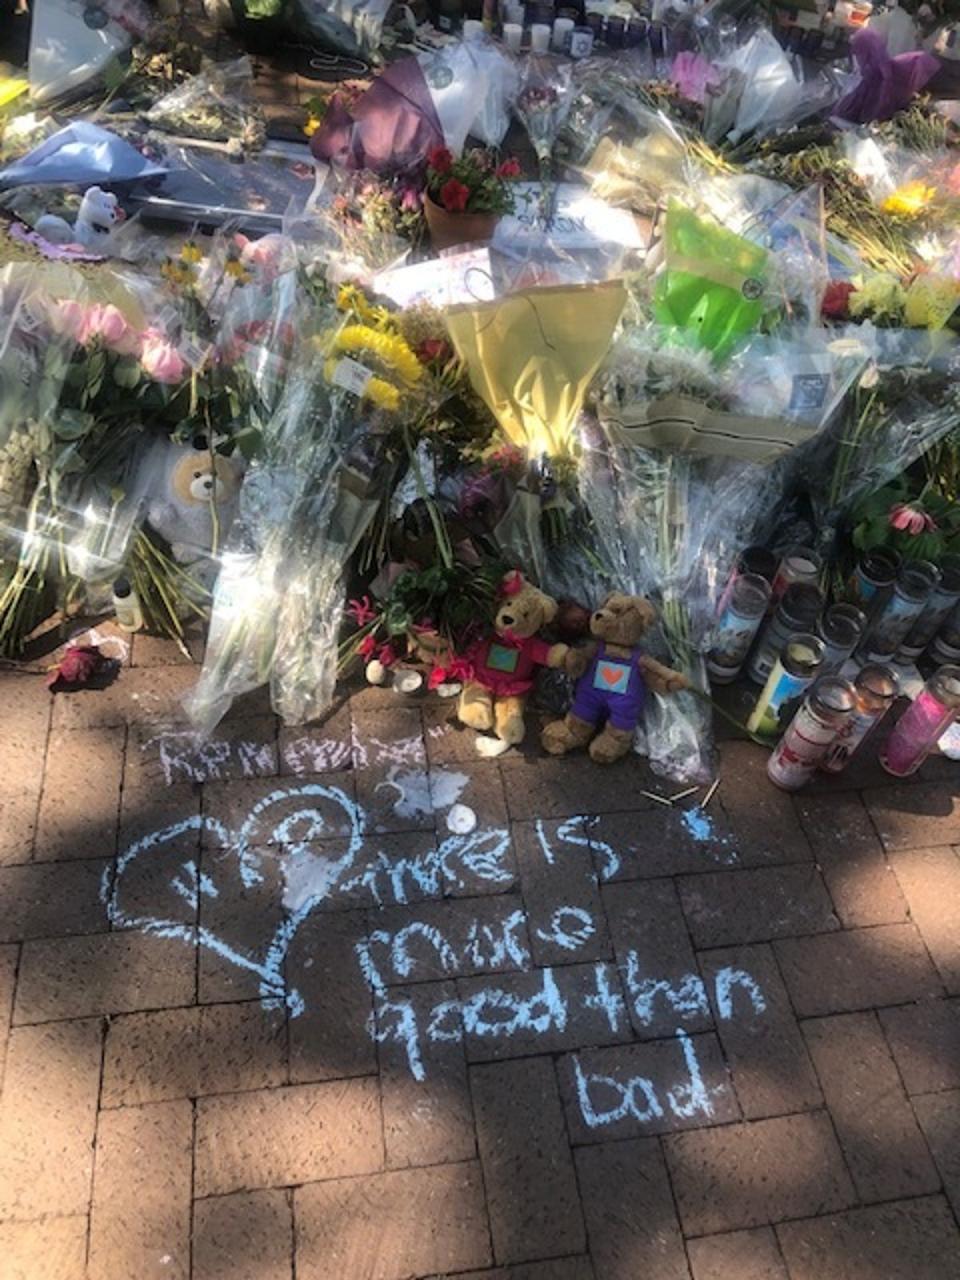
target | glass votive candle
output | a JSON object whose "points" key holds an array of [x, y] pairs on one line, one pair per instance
{"points": [[472, 29], [581, 42], [636, 31], [562, 30], [595, 23], [616, 32], [539, 37], [512, 36]]}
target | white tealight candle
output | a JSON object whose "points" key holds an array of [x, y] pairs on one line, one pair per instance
{"points": [[539, 37], [472, 29], [512, 36]]}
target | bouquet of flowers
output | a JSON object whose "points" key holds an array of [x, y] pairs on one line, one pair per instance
{"points": [[473, 183]]}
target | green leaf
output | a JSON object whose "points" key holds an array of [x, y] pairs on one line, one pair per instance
{"points": [[127, 373], [70, 424], [114, 74]]}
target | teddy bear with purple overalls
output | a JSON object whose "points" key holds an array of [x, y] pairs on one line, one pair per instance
{"points": [[614, 675]]}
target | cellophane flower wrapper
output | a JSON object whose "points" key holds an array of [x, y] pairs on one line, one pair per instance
{"points": [[545, 96], [668, 525], [713, 281], [352, 26], [347, 230], [218, 105], [904, 401], [773, 98]]}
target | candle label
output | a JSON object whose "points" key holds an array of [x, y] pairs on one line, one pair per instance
{"points": [[916, 733]]}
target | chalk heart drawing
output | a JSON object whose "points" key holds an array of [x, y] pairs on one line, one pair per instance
{"points": [[292, 818]]}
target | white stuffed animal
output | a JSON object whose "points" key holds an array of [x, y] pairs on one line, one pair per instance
{"points": [[181, 512], [99, 214]]}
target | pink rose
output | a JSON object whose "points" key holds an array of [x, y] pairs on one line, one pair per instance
{"points": [[109, 324], [160, 359], [72, 319]]}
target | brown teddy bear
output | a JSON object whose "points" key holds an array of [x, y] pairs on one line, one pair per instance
{"points": [[613, 677], [504, 665]]}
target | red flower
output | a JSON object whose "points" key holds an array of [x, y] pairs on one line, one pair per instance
{"points": [[836, 300], [433, 349], [367, 646], [387, 655], [509, 168], [78, 666], [459, 670], [361, 611], [440, 159], [454, 196]]}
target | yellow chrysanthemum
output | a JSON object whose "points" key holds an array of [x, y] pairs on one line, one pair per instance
{"points": [[380, 392], [312, 125], [910, 200], [879, 295], [389, 349], [191, 252]]}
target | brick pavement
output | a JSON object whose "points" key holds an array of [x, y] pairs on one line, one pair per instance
{"points": [[345, 1003]]}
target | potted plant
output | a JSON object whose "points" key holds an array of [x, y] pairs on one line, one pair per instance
{"points": [[465, 198]]}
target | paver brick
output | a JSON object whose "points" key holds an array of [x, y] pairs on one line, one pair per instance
{"points": [[761, 817], [393, 735], [148, 811], [241, 914], [856, 969], [654, 954], [660, 1086], [140, 1220], [103, 973], [248, 1236], [528, 1171], [925, 1040], [909, 1240], [18, 823], [772, 1071], [281, 810], [331, 1039], [278, 1137], [564, 908], [553, 1269], [914, 816], [428, 1120], [52, 901], [326, 747], [629, 1211], [939, 1116], [737, 1255], [160, 651], [546, 1011], [463, 937], [848, 850], [51, 1249], [170, 755], [185, 1053], [395, 797], [669, 842], [723, 907], [135, 697], [26, 717], [81, 795], [539, 788], [930, 878], [882, 1145], [48, 1117], [738, 1175], [437, 1223], [9, 955], [447, 741]]}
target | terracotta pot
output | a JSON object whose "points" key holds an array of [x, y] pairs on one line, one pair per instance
{"points": [[448, 229]]}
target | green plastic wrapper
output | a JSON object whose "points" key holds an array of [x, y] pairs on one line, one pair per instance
{"points": [[713, 282]]}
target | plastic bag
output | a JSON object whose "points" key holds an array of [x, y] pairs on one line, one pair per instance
{"points": [[713, 282], [491, 122], [771, 97], [81, 154], [72, 43], [544, 99], [218, 105]]}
